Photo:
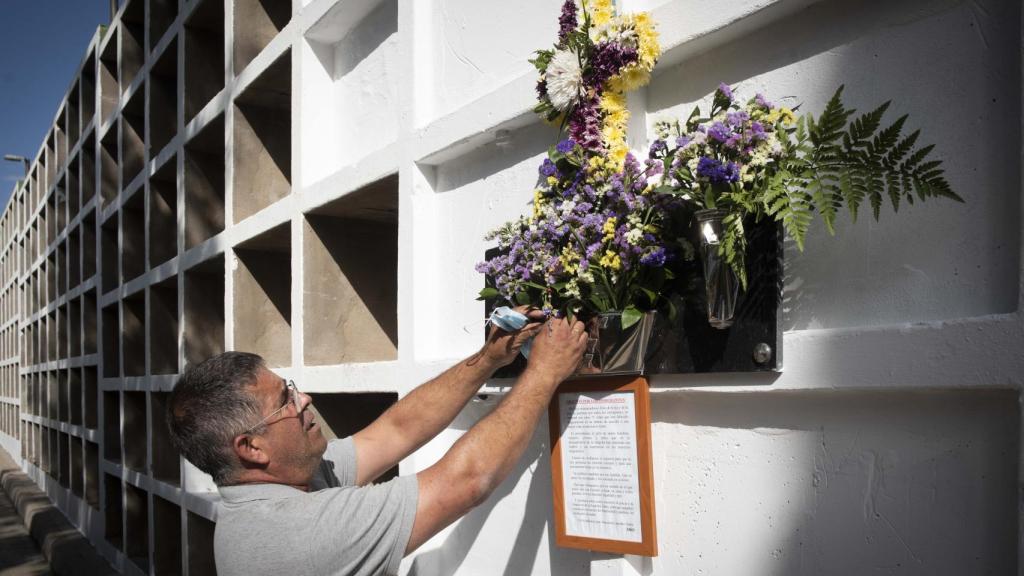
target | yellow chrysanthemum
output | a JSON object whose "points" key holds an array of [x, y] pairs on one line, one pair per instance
{"points": [[648, 47], [630, 78], [601, 11], [611, 260], [618, 154]]}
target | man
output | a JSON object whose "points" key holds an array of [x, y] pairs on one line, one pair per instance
{"points": [[294, 504]]}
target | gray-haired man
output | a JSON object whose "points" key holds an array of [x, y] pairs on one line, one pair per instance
{"points": [[294, 503]]}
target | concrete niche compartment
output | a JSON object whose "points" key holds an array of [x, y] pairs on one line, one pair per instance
{"points": [[350, 297], [90, 380], [72, 191], [137, 525], [161, 15], [261, 20], [262, 136], [108, 251], [75, 327], [112, 426], [92, 474], [133, 137], [64, 459], [77, 470], [204, 184], [163, 214], [114, 511], [89, 245], [111, 342], [204, 310], [74, 259], [88, 92], [262, 296], [133, 236], [200, 544], [89, 325], [163, 327], [351, 77], [167, 537], [163, 100], [135, 431], [133, 333], [109, 90], [132, 33], [110, 159], [74, 377], [166, 463], [88, 168], [204, 55]]}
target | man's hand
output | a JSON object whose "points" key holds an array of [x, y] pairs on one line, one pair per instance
{"points": [[501, 346], [557, 350]]}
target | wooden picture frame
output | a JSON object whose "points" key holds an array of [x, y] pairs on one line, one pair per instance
{"points": [[604, 400]]}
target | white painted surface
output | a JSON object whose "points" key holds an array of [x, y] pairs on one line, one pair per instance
{"points": [[890, 444]]}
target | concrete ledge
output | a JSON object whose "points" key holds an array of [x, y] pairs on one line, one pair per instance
{"points": [[67, 550]]}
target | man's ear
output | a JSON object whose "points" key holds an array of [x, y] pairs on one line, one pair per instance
{"points": [[249, 450]]}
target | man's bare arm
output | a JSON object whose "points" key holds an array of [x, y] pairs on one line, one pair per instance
{"points": [[432, 406], [485, 455]]}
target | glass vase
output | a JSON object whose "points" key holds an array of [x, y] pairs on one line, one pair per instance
{"points": [[614, 350], [721, 286]]}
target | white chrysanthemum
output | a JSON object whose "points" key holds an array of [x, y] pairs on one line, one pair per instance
{"points": [[564, 78]]}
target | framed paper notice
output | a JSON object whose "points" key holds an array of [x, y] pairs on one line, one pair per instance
{"points": [[601, 466]]}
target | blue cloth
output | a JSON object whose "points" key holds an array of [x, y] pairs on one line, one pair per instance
{"points": [[509, 320]]}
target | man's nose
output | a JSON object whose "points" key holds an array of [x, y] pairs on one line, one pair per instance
{"points": [[305, 400]]}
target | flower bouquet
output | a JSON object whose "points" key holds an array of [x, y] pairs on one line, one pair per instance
{"points": [[598, 238], [745, 163]]}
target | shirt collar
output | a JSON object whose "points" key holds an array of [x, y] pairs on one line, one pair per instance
{"points": [[250, 492]]}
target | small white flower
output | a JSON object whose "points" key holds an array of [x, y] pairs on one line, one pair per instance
{"points": [[564, 78]]}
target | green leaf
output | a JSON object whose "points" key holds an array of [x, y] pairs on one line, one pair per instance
{"points": [[488, 293], [630, 316]]}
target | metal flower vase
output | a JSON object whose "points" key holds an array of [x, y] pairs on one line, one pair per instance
{"points": [[614, 350], [721, 286]]}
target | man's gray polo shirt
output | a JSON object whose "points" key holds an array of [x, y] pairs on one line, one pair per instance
{"points": [[335, 528]]}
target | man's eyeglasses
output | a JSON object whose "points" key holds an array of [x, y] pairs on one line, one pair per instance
{"points": [[293, 398]]}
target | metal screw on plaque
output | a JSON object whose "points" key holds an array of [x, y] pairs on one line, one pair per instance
{"points": [[762, 353]]}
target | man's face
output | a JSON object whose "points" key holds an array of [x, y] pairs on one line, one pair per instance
{"points": [[293, 439]]}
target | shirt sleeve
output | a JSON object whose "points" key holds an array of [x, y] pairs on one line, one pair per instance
{"points": [[363, 531], [338, 466]]}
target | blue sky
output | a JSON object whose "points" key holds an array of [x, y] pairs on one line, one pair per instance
{"points": [[42, 43]]}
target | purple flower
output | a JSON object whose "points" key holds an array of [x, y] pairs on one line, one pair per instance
{"points": [[654, 258], [716, 171], [719, 131], [657, 147], [606, 60], [547, 168], [762, 101], [585, 125], [567, 20], [682, 141], [725, 90], [565, 146]]}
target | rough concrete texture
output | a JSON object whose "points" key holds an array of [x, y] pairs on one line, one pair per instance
{"points": [[350, 290], [263, 305], [64, 547]]}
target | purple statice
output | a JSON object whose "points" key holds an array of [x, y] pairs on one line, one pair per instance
{"points": [[567, 20], [725, 90], [736, 117], [654, 257], [763, 102], [682, 141], [606, 60], [658, 147], [565, 146], [716, 171], [585, 125], [719, 131], [548, 168], [542, 89]]}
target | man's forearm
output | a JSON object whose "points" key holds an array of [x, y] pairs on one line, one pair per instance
{"points": [[432, 406]]}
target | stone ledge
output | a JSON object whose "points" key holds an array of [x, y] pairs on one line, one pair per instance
{"points": [[67, 550]]}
